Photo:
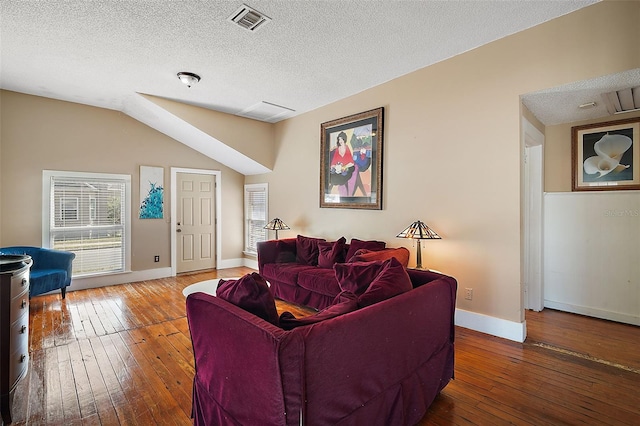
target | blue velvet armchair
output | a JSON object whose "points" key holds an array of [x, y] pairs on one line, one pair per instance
{"points": [[51, 269]]}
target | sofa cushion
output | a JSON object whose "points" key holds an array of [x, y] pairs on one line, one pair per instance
{"points": [[373, 281], [284, 272], [330, 253], [344, 303], [356, 245], [319, 280], [307, 250], [250, 293], [356, 276], [391, 281], [400, 253]]}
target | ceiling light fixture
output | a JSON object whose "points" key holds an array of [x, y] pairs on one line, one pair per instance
{"points": [[188, 78]]}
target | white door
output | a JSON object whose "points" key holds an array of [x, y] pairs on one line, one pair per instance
{"points": [[195, 226]]}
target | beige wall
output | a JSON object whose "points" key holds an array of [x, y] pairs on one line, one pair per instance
{"points": [[40, 133], [557, 152], [452, 151]]}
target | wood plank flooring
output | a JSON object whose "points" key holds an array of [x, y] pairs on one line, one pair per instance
{"points": [[122, 355]]}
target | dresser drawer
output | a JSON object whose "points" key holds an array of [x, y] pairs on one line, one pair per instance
{"points": [[19, 284], [18, 364], [19, 306], [19, 334]]}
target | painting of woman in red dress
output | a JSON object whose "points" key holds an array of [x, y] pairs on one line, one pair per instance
{"points": [[342, 166]]}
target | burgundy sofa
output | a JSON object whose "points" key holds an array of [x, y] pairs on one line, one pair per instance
{"points": [[382, 364], [308, 278]]}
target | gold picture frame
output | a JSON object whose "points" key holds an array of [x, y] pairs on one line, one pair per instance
{"points": [[351, 161]]}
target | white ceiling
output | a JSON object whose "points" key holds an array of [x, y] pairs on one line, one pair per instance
{"points": [[106, 52]]}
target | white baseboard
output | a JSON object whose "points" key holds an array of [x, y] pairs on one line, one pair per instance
{"points": [[149, 274], [593, 312], [251, 263], [230, 263], [490, 325], [123, 278]]}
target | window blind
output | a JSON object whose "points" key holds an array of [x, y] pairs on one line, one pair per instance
{"points": [[87, 217], [255, 216]]}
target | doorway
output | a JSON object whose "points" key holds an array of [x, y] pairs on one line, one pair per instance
{"points": [[533, 287], [195, 227]]}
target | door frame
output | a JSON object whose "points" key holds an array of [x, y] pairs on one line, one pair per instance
{"points": [[533, 217], [174, 211]]}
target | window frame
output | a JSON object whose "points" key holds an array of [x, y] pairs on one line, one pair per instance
{"points": [[254, 187], [49, 209]]}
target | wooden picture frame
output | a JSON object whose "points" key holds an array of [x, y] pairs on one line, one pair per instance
{"points": [[606, 156], [351, 161]]}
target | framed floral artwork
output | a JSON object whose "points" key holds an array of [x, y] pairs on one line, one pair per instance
{"points": [[351, 161], [606, 156], [151, 192]]}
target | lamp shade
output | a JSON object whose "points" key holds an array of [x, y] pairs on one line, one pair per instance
{"points": [[276, 225], [418, 230]]}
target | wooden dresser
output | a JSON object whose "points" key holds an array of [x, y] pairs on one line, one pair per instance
{"points": [[14, 327]]}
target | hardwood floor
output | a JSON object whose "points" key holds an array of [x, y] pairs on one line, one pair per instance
{"points": [[122, 355]]}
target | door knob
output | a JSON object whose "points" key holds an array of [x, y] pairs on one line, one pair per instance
{"points": [[178, 230]]}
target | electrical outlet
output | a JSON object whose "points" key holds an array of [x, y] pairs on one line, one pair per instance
{"points": [[468, 293], [156, 258]]}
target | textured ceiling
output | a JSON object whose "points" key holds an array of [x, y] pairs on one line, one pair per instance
{"points": [[559, 105], [104, 53]]}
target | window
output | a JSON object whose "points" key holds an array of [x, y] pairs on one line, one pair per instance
{"points": [[255, 215], [88, 214]]}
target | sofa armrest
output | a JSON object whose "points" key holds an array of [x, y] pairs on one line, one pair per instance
{"points": [[276, 251], [56, 259], [373, 352], [237, 362]]}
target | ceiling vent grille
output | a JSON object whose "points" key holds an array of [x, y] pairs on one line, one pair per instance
{"points": [[248, 18], [621, 101], [266, 111]]}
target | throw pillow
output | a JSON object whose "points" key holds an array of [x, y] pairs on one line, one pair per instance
{"points": [[344, 303], [356, 276], [286, 250], [400, 253], [250, 293], [307, 250], [331, 253], [391, 281], [356, 245]]}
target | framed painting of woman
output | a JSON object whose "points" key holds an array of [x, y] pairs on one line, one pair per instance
{"points": [[351, 161]]}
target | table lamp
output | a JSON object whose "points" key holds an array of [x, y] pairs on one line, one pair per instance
{"points": [[418, 230], [276, 225]]}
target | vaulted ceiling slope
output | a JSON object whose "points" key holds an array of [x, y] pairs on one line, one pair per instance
{"points": [[306, 55]]}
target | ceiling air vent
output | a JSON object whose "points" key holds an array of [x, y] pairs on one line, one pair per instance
{"points": [[248, 18], [621, 101], [266, 111]]}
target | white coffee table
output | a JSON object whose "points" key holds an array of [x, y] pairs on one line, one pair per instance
{"points": [[208, 286]]}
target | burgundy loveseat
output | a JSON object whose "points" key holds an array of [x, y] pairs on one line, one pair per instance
{"points": [[300, 270], [382, 364]]}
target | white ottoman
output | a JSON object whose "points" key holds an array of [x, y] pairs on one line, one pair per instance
{"points": [[208, 286]]}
